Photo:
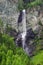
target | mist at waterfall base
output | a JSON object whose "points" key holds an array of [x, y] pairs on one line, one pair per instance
{"points": [[24, 35]]}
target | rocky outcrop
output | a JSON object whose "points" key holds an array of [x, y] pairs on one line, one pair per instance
{"points": [[34, 15], [9, 14]]}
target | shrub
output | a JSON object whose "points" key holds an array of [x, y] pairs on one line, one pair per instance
{"points": [[21, 57], [22, 5], [1, 26], [7, 41], [10, 54], [2, 58], [38, 59]]}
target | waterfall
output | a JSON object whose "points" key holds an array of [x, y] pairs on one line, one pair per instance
{"points": [[23, 27], [23, 33], [24, 20]]}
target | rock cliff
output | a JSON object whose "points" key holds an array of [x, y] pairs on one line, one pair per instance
{"points": [[9, 14]]}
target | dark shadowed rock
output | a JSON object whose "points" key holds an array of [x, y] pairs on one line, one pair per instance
{"points": [[30, 34], [28, 1], [13, 33], [19, 40], [20, 17]]}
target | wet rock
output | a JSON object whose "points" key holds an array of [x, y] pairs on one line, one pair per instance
{"points": [[19, 40], [30, 34]]}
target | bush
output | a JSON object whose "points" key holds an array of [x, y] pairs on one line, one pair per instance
{"points": [[7, 41], [1, 26], [21, 60], [22, 5], [38, 59], [10, 54], [2, 58], [14, 59]]}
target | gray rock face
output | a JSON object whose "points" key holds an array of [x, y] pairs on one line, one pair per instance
{"points": [[8, 12], [7, 7], [33, 18]]}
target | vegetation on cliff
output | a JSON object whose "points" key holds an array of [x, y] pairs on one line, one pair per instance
{"points": [[32, 3]]}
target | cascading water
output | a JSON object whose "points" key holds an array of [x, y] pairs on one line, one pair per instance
{"points": [[23, 27], [25, 46], [24, 34]]}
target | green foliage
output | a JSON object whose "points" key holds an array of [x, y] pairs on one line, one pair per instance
{"points": [[38, 42], [2, 58], [21, 60], [7, 41], [8, 28], [14, 59], [40, 23], [22, 5], [9, 57], [21, 57], [37, 2], [1, 23], [19, 51], [1, 26], [6, 44], [38, 59], [3, 48], [10, 54]]}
